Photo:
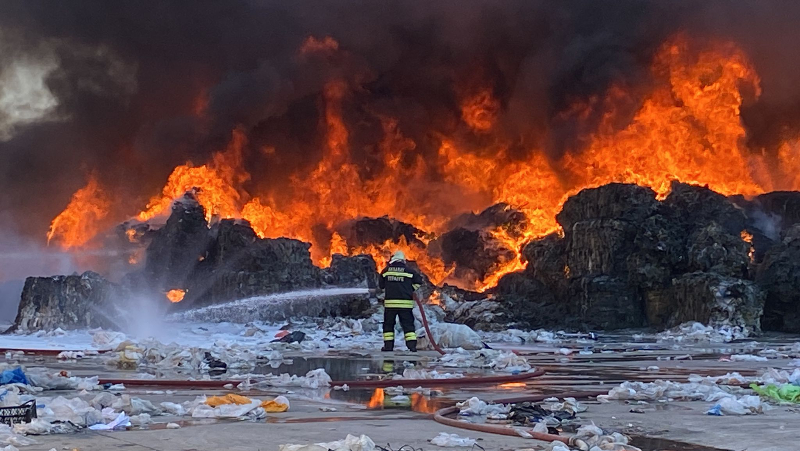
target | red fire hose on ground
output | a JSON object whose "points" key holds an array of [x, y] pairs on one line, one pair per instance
{"points": [[427, 329]]}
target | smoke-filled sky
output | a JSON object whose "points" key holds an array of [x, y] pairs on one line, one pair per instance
{"points": [[129, 90]]}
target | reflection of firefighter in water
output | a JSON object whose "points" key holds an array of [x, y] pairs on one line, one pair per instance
{"points": [[400, 283]]}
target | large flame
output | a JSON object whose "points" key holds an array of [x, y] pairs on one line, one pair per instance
{"points": [[82, 219], [687, 128]]}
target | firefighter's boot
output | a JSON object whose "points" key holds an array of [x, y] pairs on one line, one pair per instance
{"points": [[412, 345], [388, 346]]}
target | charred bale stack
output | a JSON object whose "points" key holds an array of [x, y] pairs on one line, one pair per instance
{"points": [[779, 274], [600, 227], [67, 302], [223, 262], [628, 260], [355, 271]]}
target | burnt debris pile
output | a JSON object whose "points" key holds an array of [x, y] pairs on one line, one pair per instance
{"points": [[206, 264], [623, 259], [627, 259]]}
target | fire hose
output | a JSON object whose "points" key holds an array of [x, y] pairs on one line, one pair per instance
{"points": [[427, 329]]}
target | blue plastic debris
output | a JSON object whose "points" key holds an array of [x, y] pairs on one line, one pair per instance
{"points": [[15, 376], [716, 410]]}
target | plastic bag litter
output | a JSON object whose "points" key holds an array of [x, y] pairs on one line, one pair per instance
{"points": [[277, 405], [121, 421], [230, 398], [134, 406], [569, 404], [173, 408], [9, 437], [592, 437], [785, 393], [141, 419], [557, 446], [313, 379], [173, 426], [413, 374], [775, 376], [508, 361], [746, 405], [350, 443], [660, 390], [451, 440], [74, 410], [56, 381], [694, 331], [475, 406], [106, 339], [226, 410], [450, 335], [15, 376], [727, 379], [747, 358]]}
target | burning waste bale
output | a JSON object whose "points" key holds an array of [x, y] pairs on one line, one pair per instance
{"points": [[624, 259], [629, 260]]}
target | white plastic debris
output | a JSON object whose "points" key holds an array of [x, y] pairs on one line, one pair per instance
{"points": [[508, 361], [350, 443], [173, 408], [450, 335], [173, 426], [694, 331], [313, 379], [475, 406], [225, 410], [425, 374], [665, 390], [747, 358], [122, 420], [141, 419], [746, 405], [451, 440]]}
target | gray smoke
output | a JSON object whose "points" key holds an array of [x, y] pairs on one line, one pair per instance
{"points": [[112, 87]]}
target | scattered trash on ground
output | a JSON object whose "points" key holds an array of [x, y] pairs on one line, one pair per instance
{"points": [[786, 393], [451, 440], [350, 443]]}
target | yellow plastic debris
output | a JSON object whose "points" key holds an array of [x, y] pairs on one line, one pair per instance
{"points": [[274, 406], [230, 398]]}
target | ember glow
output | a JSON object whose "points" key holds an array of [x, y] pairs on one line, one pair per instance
{"points": [[748, 238], [687, 127], [176, 295]]}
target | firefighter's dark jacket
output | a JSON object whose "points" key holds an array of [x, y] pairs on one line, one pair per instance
{"points": [[400, 282]]}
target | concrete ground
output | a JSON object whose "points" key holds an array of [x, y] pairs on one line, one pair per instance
{"points": [[672, 426], [776, 430]]}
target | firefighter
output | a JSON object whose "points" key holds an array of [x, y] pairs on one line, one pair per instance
{"points": [[401, 283]]}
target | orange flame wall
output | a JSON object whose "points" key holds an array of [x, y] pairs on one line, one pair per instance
{"points": [[687, 128]]}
